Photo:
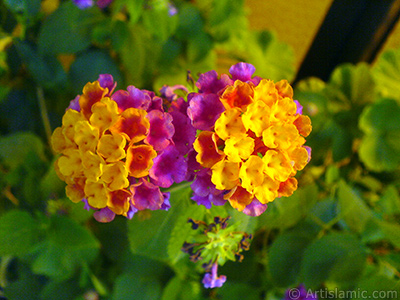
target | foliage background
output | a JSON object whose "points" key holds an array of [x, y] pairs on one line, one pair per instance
{"points": [[339, 230]]}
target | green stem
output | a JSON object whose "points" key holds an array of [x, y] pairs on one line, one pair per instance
{"points": [[44, 115]]}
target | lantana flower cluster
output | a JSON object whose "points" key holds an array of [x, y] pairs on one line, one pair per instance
{"points": [[238, 139], [251, 140], [118, 149]]}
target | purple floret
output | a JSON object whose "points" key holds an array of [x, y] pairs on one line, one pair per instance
{"points": [[104, 215], [185, 133], [204, 110], [255, 208], [83, 4], [244, 72], [204, 191], [169, 167], [107, 81], [74, 104], [146, 195], [161, 129], [210, 83], [133, 97], [212, 280]]}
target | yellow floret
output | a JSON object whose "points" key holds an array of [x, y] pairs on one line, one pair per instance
{"points": [[237, 149], [251, 173], [230, 124], [256, 118], [225, 175]]}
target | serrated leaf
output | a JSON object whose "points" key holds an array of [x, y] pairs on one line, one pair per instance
{"points": [[337, 257], [68, 246], [19, 232], [272, 58], [386, 72], [379, 148], [353, 209], [351, 84], [182, 230], [150, 237]]}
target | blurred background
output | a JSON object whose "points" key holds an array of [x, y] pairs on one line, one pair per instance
{"points": [[339, 232]]}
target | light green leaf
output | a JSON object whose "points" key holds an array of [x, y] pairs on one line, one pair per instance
{"points": [[134, 8], [352, 208], [391, 231], [150, 237], [272, 58], [19, 232], [351, 84], [386, 72], [68, 246], [15, 148], [379, 148], [182, 230]]}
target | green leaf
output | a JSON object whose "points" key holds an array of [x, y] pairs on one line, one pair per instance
{"points": [[379, 148], [68, 29], [285, 256], [67, 247], [159, 22], [377, 285], [386, 72], [351, 84], [336, 257], [178, 289], [182, 231], [390, 201], [198, 47], [19, 232], [150, 237], [24, 7], [45, 69], [89, 65], [352, 208], [272, 58], [130, 287], [391, 231], [134, 8], [14, 148], [190, 22], [65, 290], [284, 212], [238, 290], [26, 288]]}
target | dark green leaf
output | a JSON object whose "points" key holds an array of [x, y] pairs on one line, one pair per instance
{"points": [[19, 232], [45, 69], [377, 286], [190, 22], [178, 289], [391, 231], [68, 29], [198, 47], [27, 8], [26, 288], [337, 257], [88, 66], [132, 287], [285, 257], [61, 290], [238, 291], [159, 22]]}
